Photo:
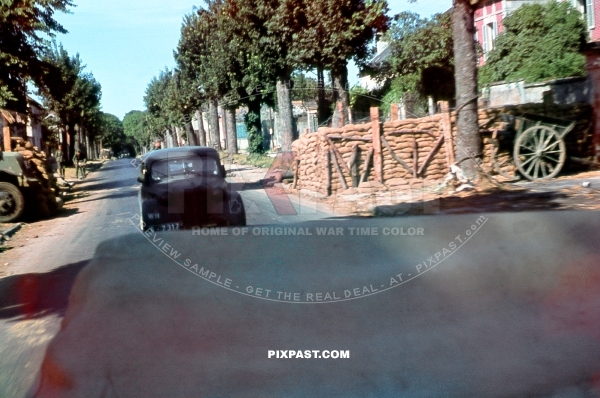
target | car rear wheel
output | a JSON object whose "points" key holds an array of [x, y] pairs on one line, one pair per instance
{"points": [[237, 212], [12, 202]]}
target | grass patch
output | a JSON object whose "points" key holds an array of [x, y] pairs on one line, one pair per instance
{"points": [[261, 161]]}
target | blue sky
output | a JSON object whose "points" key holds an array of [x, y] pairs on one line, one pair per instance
{"points": [[125, 44]]}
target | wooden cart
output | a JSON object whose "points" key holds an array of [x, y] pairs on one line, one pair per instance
{"points": [[536, 143]]}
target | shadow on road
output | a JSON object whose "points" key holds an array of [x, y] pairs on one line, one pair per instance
{"points": [[31, 296], [116, 195], [495, 201]]}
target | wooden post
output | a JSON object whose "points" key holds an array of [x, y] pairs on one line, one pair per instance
{"points": [[447, 131], [365, 172], [415, 158], [394, 110], [296, 171], [328, 172], [376, 135], [353, 165], [339, 171], [337, 153], [6, 134]]}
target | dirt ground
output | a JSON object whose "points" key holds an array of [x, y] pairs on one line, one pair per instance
{"points": [[35, 229], [563, 193]]}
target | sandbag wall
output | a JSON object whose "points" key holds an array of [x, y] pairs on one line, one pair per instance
{"points": [[431, 139], [44, 195], [418, 143]]}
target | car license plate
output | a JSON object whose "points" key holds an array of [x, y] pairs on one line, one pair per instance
{"points": [[165, 227]]}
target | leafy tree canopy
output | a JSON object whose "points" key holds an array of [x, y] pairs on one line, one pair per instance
{"points": [[21, 24], [539, 42], [112, 130], [421, 59], [134, 127]]}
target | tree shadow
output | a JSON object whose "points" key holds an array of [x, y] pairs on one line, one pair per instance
{"points": [[493, 201], [119, 195], [31, 296]]}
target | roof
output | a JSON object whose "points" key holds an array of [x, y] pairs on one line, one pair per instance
{"points": [[382, 56], [180, 152]]}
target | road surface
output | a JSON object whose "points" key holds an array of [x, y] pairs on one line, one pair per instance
{"points": [[489, 305], [47, 256]]}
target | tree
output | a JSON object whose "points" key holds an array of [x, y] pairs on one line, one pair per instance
{"points": [[22, 26], [112, 131], [204, 55], [135, 129], [468, 145], [159, 118], [539, 41], [422, 56], [331, 33], [73, 94]]}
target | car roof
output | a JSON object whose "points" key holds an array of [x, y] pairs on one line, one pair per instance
{"points": [[180, 152]]}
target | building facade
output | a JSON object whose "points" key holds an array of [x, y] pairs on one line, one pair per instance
{"points": [[489, 15]]}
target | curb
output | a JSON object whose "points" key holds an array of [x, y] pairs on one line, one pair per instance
{"points": [[10, 232]]}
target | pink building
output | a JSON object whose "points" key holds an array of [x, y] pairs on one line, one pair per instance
{"points": [[489, 15]]}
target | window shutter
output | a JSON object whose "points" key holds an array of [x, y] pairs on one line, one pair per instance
{"points": [[589, 13], [485, 39]]}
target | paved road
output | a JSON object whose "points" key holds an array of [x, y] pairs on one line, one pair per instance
{"points": [[33, 299], [466, 305], [492, 305]]}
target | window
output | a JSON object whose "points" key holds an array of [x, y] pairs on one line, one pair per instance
{"points": [[197, 165], [490, 32], [589, 8]]}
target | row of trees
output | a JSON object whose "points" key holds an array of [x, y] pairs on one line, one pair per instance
{"points": [[70, 94], [236, 53]]}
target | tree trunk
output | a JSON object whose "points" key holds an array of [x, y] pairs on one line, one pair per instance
{"points": [[321, 105], [71, 144], [88, 147], [468, 143], [286, 124], [232, 147], [215, 139], [190, 134], [201, 131], [223, 127], [340, 78]]}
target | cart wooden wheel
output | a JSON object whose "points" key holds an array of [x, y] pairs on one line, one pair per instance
{"points": [[503, 163], [539, 153]]}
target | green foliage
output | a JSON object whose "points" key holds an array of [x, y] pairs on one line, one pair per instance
{"points": [[134, 128], [159, 114], [328, 33], [112, 132], [22, 26], [422, 57], [539, 42], [255, 138], [361, 101], [71, 92], [304, 88]]}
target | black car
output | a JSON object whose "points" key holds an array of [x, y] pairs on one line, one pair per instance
{"points": [[185, 188]]}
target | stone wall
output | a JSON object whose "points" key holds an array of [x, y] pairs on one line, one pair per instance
{"points": [[430, 139]]}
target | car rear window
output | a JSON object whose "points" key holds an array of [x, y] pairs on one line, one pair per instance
{"points": [[196, 165]]}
